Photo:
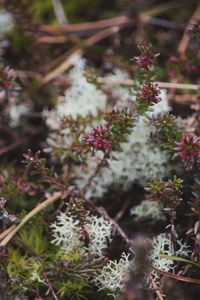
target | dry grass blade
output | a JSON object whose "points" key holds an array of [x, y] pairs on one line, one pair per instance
{"points": [[6, 232], [116, 21], [104, 214], [165, 85], [64, 66], [185, 38], [13, 230], [102, 24], [59, 12], [176, 85], [52, 39]]}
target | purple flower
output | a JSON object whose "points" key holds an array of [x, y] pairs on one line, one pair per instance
{"points": [[188, 150], [99, 139], [22, 185], [7, 77], [146, 59], [150, 93]]}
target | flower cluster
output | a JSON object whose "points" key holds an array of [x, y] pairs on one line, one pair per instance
{"points": [[34, 163], [150, 93], [7, 77], [188, 150], [99, 139], [118, 126], [146, 59], [168, 193], [138, 161]]}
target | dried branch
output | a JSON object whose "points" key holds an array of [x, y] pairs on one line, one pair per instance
{"points": [[64, 66], [158, 293], [104, 214], [178, 277], [10, 148], [68, 62], [102, 24]]}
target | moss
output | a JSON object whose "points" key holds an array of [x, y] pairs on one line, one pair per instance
{"points": [[18, 40], [90, 9], [75, 290], [33, 238], [16, 197]]}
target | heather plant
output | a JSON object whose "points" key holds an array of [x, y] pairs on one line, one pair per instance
{"points": [[109, 208]]}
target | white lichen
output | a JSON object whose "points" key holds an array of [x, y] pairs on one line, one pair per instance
{"points": [[162, 246], [114, 275], [66, 233], [122, 94], [184, 249], [139, 159], [6, 22], [148, 209], [100, 233], [16, 111], [81, 98]]}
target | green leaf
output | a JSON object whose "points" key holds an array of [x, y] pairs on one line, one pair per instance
{"points": [[176, 258]]}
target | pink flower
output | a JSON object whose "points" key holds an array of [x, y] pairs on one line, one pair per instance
{"points": [[150, 93], [146, 59], [188, 150], [22, 185], [99, 139], [7, 77]]}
